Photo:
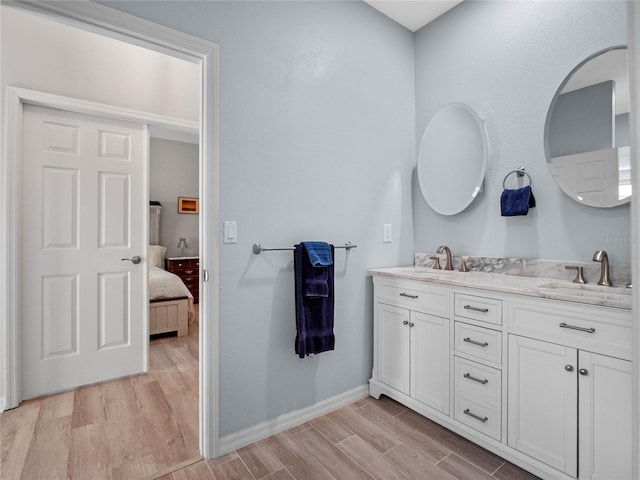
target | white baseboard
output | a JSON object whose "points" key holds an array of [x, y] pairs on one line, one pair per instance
{"points": [[262, 430]]}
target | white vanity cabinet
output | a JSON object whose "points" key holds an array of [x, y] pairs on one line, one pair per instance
{"points": [[412, 341], [569, 398], [543, 382]]}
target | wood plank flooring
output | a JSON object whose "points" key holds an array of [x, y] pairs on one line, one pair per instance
{"points": [[368, 439], [128, 428], [145, 426]]}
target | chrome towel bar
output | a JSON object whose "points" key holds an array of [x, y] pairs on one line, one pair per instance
{"points": [[257, 248]]}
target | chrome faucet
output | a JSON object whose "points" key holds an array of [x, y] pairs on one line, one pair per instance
{"points": [[601, 256], [447, 251]]}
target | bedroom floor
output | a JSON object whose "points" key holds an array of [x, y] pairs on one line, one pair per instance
{"points": [[124, 429]]}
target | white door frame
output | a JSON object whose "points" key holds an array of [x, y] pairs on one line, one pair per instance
{"points": [[111, 23]]}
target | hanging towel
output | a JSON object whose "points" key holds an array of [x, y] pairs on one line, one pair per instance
{"points": [[314, 304], [517, 202], [319, 253]]}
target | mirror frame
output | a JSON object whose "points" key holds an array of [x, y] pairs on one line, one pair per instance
{"points": [[468, 197], [546, 133]]}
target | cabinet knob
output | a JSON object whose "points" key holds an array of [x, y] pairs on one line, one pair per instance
{"points": [[568, 368], [583, 371], [406, 322], [411, 324]]}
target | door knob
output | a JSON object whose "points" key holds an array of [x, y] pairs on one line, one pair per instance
{"points": [[135, 260]]}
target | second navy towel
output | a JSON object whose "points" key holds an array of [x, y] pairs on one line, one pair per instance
{"points": [[314, 304]]}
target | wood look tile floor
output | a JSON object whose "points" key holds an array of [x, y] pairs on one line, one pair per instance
{"points": [[145, 426], [128, 428], [368, 439]]}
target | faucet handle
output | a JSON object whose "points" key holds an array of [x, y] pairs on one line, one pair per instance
{"points": [[579, 273], [437, 264], [463, 265]]}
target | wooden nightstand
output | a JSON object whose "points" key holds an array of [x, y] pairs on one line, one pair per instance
{"points": [[188, 269]]}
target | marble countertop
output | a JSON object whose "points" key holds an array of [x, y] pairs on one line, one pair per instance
{"points": [[592, 294]]}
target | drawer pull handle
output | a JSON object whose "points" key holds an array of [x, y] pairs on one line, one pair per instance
{"points": [[476, 309], [483, 382], [473, 415], [573, 327], [481, 344], [408, 296], [188, 272]]}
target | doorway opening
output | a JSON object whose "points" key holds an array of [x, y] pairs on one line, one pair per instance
{"points": [[140, 33]]}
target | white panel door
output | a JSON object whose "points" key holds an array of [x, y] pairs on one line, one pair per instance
{"points": [[605, 417], [393, 347], [83, 210], [592, 176], [543, 402], [430, 360]]}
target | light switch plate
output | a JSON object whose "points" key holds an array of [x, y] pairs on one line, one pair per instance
{"points": [[230, 232], [386, 237]]}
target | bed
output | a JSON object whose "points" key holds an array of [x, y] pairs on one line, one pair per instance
{"points": [[170, 301]]}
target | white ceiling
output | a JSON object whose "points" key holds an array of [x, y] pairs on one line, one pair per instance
{"points": [[413, 14]]}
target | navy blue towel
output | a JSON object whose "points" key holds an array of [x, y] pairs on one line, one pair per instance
{"points": [[517, 202], [319, 253], [314, 304]]}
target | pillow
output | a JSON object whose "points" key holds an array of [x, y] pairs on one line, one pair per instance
{"points": [[155, 255]]}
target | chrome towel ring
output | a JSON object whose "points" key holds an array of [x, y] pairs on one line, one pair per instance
{"points": [[520, 173]]}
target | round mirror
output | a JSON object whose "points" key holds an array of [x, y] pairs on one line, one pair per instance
{"points": [[587, 133], [452, 159]]}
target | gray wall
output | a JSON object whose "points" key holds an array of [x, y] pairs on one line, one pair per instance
{"points": [[316, 143], [173, 173], [506, 60]]}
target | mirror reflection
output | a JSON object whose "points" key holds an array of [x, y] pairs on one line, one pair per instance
{"points": [[452, 159], [587, 139]]}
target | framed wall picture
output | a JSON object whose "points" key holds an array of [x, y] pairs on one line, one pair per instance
{"points": [[188, 205]]}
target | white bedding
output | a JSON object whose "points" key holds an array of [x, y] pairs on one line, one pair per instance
{"points": [[165, 285]]}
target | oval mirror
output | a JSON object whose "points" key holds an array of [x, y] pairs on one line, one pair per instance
{"points": [[587, 131], [452, 159]]}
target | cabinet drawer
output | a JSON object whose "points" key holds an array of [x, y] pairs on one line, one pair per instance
{"points": [[482, 417], [173, 264], [606, 330], [414, 295], [481, 383], [479, 343], [478, 308]]}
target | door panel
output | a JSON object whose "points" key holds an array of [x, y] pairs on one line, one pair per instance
{"points": [[83, 210], [605, 417], [393, 347], [543, 402], [430, 360]]}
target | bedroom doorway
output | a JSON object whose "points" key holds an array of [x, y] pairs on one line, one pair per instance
{"points": [[107, 22]]}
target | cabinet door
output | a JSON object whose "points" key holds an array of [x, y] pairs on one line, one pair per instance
{"points": [[605, 417], [430, 360], [543, 402], [393, 347]]}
